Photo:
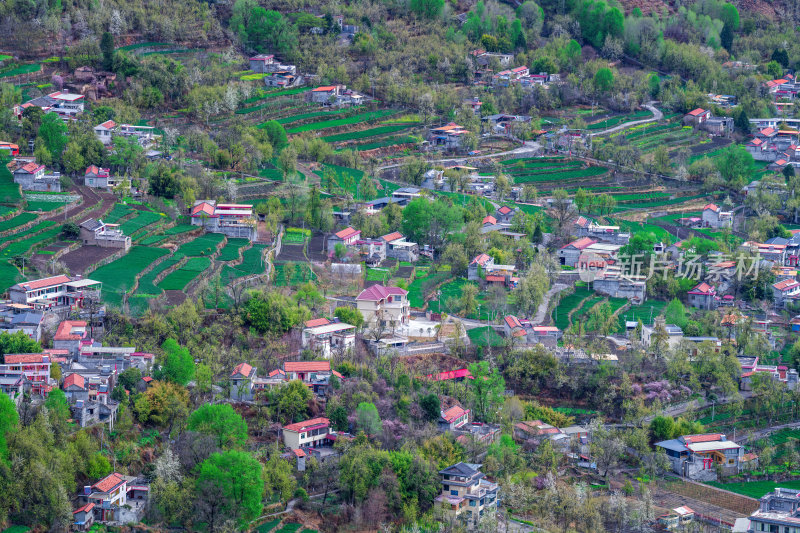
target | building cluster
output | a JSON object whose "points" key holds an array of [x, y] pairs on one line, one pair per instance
{"points": [[335, 96], [372, 251], [32, 176], [66, 105], [704, 120]]}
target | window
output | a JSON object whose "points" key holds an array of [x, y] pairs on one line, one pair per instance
{"points": [[453, 493], [472, 503], [730, 461]]}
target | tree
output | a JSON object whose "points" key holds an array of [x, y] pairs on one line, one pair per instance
{"points": [[99, 466], [18, 342], [735, 166], [107, 48], [662, 428], [287, 162], [368, 419], [780, 55], [741, 120], [604, 80], [429, 222], [293, 400], [675, 313], [9, 421], [532, 287], [70, 231], [233, 480], [562, 208], [57, 405], [431, 407], [606, 449], [53, 133], [532, 369], [163, 404], [486, 390], [177, 364], [272, 312], [222, 422], [349, 315], [73, 159], [427, 9]]}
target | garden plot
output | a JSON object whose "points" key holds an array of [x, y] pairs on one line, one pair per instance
{"points": [[119, 276], [610, 122], [451, 293], [485, 336], [17, 221], [645, 312], [231, 250], [252, 263], [141, 220], [292, 274], [43, 201], [567, 304], [560, 175], [312, 116], [180, 278], [348, 121], [204, 245]]}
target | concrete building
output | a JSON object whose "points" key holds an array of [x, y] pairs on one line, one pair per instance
{"points": [[703, 296], [55, 292], [69, 336], [714, 217], [466, 493], [95, 232], [697, 456], [233, 220], [311, 433], [33, 369], [453, 418], [570, 253], [242, 379], [385, 305], [328, 338], [32, 177], [399, 248], [778, 511]]}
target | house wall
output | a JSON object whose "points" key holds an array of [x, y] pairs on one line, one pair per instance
{"points": [[569, 256]]}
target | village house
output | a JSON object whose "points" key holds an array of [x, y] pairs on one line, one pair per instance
{"points": [[586, 227], [611, 281], [346, 237], [326, 338], [696, 456], [106, 498], [526, 333], [719, 126], [674, 334], [32, 368], [505, 214], [97, 233], [242, 379], [478, 266], [103, 410], [399, 248], [679, 517], [778, 510], [448, 136], [32, 177], [21, 317], [260, 63], [99, 178], [55, 292], [697, 117], [336, 96], [714, 217], [404, 195], [83, 517], [312, 433], [65, 105], [75, 388], [233, 220], [474, 103], [386, 306], [106, 131], [69, 335], [785, 292], [533, 429], [570, 253], [282, 79], [453, 418], [703, 296], [466, 493]]}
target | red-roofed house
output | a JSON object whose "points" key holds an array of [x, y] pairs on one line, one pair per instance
{"points": [[478, 266], [261, 63], [54, 292], [703, 296], [387, 305], [449, 136], [456, 375], [326, 94], [513, 327], [347, 237], [453, 418], [715, 217], [312, 433], [697, 116], [107, 495], [306, 370], [242, 382], [105, 131], [533, 428], [505, 214], [785, 291], [314, 322], [32, 368], [489, 220], [32, 177], [74, 388], [69, 335], [98, 178], [233, 220], [399, 248], [329, 337], [83, 518], [570, 254]]}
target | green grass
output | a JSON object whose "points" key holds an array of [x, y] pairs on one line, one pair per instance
{"points": [[231, 250], [118, 212], [181, 228], [44, 206], [647, 312], [293, 238], [335, 123], [269, 96], [268, 526], [30, 231], [290, 527], [635, 227], [364, 134], [120, 275], [178, 280], [452, 291], [17, 221], [378, 274], [485, 336], [17, 529], [755, 489], [347, 178], [388, 141], [252, 263]]}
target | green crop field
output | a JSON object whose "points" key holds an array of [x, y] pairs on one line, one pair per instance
{"points": [[147, 285], [118, 212], [22, 69], [532, 160], [531, 171], [646, 312], [386, 142], [9, 275], [136, 46], [23, 246], [348, 121], [269, 96], [43, 206], [755, 489], [567, 304], [231, 250], [485, 336], [178, 280], [300, 273], [347, 178], [17, 221], [565, 175], [614, 121], [314, 114], [10, 192], [30, 231], [364, 134], [252, 263], [450, 294], [142, 219], [120, 275], [205, 244]]}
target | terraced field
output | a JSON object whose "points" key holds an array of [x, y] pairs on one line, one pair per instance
{"points": [[252, 263], [17, 221], [119, 276], [567, 304], [230, 252], [645, 312], [290, 274], [180, 278], [348, 121], [620, 119]]}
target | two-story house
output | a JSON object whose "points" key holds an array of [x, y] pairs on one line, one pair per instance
{"points": [[570, 253], [242, 379], [311, 433], [778, 510], [478, 266], [98, 178], [466, 493], [453, 418], [696, 456], [785, 292], [233, 220], [399, 248], [328, 338], [347, 237], [32, 177], [714, 217], [703, 296], [95, 232], [32, 368], [448, 136], [385, 305]]}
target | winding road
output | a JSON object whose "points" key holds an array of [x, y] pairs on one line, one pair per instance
{"points": [[657, 115]]}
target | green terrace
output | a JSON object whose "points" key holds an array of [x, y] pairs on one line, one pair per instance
{"points": [[349, 121], [365, 134]]}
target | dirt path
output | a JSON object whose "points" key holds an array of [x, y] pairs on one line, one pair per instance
{"points": [[541, 312], [95, 205], [657, 115]]}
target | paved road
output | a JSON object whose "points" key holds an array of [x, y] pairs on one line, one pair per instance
{"points": [[657, 115], [527, 147]]}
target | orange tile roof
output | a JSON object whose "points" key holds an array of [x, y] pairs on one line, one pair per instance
{"points": [[108, 483], [392, 236], [696, 112], [492, 279], [481, 259], [786, 284], [44, 282], [16, 358], [326, 88], [203, 207], [347, 233], [108, 124], [703, 288], [32, 167], [489, 219], [708, 437], [299, 453], [64, 331], [713, 207], [454, 412], [307, 366], [313, 323], [300, 426], [74, 380], [86, 508], [505, 210], [580, 244], [242, 369]]}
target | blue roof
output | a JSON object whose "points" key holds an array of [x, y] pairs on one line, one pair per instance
{"points": [[672, 444]]}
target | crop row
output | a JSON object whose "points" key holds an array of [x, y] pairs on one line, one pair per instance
{"points": [[268, 96], [231, 250], [19, 220], [545, 170], [23, 246], [614, 121], [179, 279], [252, 263], [649, 129], [568, 175], [205, 244], [315, 114], [529, 160], [142, 219], [388, 141], [364, 134], [9, 190], [335, 123], [120, 275]]}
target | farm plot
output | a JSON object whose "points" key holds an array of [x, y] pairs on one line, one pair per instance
{"points": [[755, 489], [15, 222], [365, 134], [252, 263], [231, 250], [9, 275], [645, 312], [296, 236], [619, 119], [485, 336], [178, 280], [24, 246], [349, 121], [314, 115], [533, 160], [386, 143], [547, 175], [567, 304], [30, 231], [346, 178], [120, 275], [118, 212], [452, 291], [204, 245], [291, 274], [141, 220]]}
